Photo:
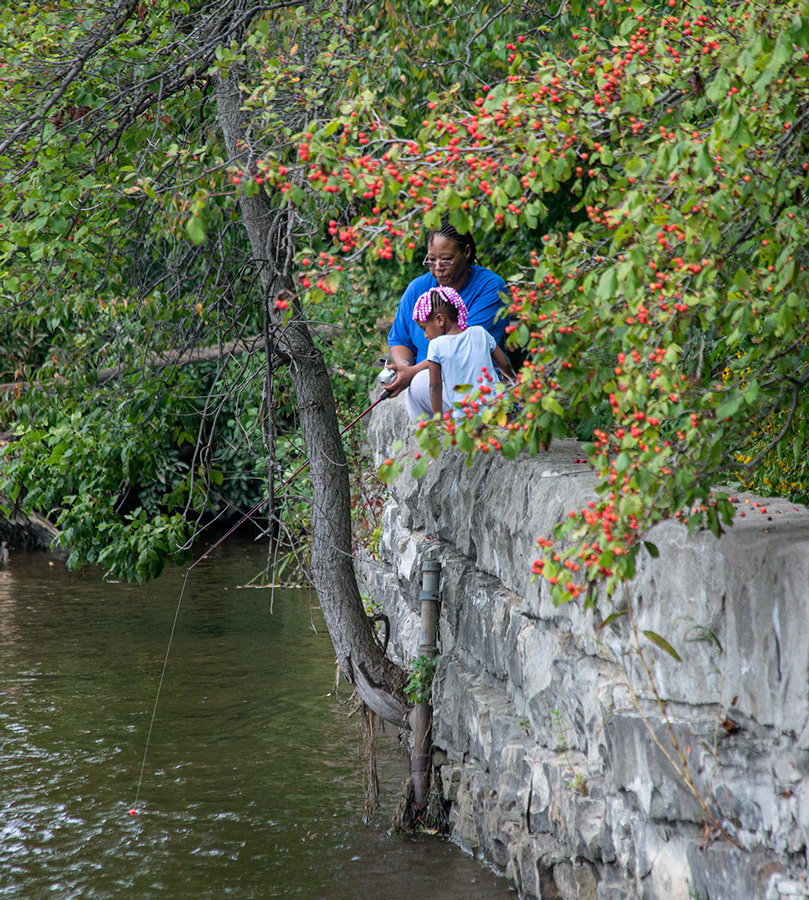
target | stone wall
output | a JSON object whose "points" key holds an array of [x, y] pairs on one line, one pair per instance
{"points": [[556, 755]]}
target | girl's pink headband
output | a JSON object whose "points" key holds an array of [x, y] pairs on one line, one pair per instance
{"points": [[424, 305]]}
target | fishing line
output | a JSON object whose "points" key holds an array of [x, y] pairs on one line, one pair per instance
{"points": [[159, 686], [253, 511]]}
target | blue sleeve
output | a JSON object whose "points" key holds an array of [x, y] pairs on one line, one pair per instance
{"points": [[405, 332], [400, 332]]}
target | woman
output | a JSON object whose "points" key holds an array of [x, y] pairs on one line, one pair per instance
{"points": [[450, 262]]}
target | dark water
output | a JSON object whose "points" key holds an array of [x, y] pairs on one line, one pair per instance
{"points": [[252, 787]]}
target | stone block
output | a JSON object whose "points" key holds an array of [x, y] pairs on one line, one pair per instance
{"points": [[723, 872], [750, 590], [614, 890], [641, 767], [539, 803], [576, 881], [524, 872], [670, 876], [463, 820], [450, 781], [782, 887]]}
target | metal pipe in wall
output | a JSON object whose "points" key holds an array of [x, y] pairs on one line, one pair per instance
{"points": [[423, 713]]}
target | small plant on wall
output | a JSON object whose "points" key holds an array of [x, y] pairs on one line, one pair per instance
{"points": [[419, 686], [561, 733]]}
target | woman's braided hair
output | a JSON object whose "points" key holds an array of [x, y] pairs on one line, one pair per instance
{"points": [[462, 240]]}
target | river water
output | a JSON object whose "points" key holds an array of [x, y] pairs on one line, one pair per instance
{"points": [[252, 785]]}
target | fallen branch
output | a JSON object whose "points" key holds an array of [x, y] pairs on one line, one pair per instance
{"points": [[187, 357], [25, 530]]}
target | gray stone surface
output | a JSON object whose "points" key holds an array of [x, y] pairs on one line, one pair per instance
{"points": [[558, 762]]}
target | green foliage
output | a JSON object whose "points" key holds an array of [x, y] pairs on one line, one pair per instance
{"points": [[637, 174], [120, 246], [672, 318], [419, 685], [775, 460], [111, 271], [662, 643], [80, 467]]}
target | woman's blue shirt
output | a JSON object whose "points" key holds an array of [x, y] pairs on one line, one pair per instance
{"points": [[481, 294]]}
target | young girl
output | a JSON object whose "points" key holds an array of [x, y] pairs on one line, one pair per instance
{"points": [[457, 356]]}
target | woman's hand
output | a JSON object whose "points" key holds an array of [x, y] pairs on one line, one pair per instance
{"points": [[401, 360], [404, 375]]}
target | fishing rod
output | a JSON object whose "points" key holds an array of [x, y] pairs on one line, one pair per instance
{"points": [[384, 379]]}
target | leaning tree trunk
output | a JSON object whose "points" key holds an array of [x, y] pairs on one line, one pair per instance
{"points": [[361, 658]]}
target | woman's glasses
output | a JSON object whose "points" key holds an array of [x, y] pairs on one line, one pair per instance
{"points": [[430, 263]]}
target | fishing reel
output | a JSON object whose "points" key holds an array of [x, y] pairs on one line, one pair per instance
{"points": [[387, 375]]}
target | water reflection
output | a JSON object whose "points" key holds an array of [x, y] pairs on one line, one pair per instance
{"points": [[252, 785]]}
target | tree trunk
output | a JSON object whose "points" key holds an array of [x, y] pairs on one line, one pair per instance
{"points": [[361, 659]]}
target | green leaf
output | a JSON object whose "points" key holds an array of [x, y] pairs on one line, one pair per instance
{"points": [[718, 88], [388, 474], [663, 644], [728, 408], [635, 167], [464, 441], [622, 462], [420, 468], [704, 164], [612, 617], [705, 635], [459, 220], [607, 284], [499, 196], [195, 229], [432, 219], [742, 280], [799, 31]]}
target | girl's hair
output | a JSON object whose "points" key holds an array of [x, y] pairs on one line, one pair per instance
{"points": [[441, 299], [463, 240]]}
